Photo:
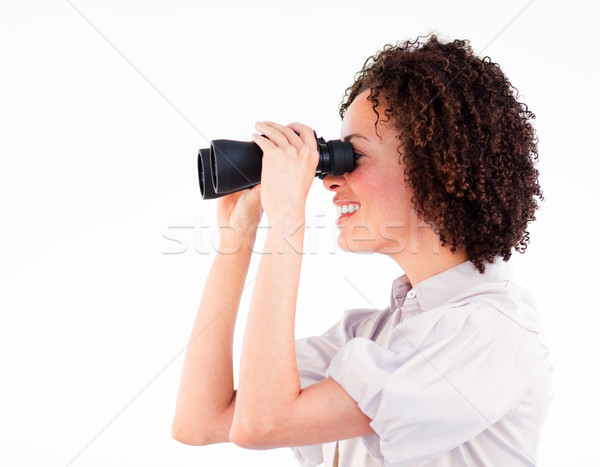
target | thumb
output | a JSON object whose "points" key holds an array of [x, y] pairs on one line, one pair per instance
{"points": [[258, 198], [252, 198]]}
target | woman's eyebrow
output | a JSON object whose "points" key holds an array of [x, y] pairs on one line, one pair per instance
{"points": [[353, 135]]}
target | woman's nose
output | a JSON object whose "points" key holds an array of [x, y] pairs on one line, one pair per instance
{"points": [[334, 182]]}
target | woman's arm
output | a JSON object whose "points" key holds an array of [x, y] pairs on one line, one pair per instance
{"points": [[206, 398], [271, 409], [204, 405], [269, 381], [206, 402]]}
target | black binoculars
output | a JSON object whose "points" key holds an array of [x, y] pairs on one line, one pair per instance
{"points": [[229, 166]]}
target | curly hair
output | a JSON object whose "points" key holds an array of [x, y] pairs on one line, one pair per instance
{"points": [[469, 149]]}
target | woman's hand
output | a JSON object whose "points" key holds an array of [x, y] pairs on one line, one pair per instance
{"points": [[238, 216], [289, 162]]}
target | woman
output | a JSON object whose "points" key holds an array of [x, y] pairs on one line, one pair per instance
{"points": [[454, 372]]}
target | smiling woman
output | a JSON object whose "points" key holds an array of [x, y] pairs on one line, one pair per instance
{"points": [[377, 185], [454, 372]]}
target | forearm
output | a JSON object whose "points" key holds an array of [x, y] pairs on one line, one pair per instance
{"points": [[205, 401], [269, 381]]}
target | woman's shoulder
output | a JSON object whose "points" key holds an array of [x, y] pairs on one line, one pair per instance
{"points": [[361, 322], [508, 299]]}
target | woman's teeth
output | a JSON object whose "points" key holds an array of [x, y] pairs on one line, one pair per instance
{"points": [[346, 208]]}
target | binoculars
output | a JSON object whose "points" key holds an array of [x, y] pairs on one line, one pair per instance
{"points": [[229, 166]]}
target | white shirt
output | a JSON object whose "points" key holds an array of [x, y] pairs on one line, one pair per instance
{"points": [[455, 372]]}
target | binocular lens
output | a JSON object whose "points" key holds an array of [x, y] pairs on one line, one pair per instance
{"points": [[206, 189], [229, 166]]}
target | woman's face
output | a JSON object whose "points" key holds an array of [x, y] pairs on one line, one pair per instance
{"points": [[385, 218]]}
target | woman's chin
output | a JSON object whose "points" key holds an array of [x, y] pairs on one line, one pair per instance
{"points": [[341, 242], [353, 245]]}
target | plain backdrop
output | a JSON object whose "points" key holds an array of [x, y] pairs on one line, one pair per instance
{"points": [[106, 243]]}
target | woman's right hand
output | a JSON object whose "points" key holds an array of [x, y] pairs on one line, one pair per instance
{"points": [[238, 216]]}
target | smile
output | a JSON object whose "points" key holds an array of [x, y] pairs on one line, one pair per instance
{"points": [[345, 211], [347, 208]]}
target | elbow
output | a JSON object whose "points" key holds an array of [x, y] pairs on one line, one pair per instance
{"points": [[242, 437], [255, 434], [200, 428], [192, 437]]}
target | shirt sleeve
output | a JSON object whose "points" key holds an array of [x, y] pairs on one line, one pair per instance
{"points": [[446, 375], [314, 355]]}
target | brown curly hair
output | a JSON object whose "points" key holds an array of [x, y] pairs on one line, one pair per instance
{"points": [[468, 145]]}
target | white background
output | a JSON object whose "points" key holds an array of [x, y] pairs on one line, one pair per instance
{"points": [[106, 243]]}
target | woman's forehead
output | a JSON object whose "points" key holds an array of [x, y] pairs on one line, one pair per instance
{"points": [[360, 118]]}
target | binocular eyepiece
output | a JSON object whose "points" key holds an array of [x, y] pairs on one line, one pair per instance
{"points": [[229, 166]]}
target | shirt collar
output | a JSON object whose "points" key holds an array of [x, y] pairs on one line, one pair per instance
{"points": [[400, 288], [440, 288]]}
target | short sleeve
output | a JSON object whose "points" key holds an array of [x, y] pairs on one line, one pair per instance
{"points": [[447, 375], [314, 355]]}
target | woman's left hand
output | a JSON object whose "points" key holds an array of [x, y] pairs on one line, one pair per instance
{"points": [[289, 162]]}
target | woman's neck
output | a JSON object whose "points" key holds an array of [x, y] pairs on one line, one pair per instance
{"points": [[427, 257]]}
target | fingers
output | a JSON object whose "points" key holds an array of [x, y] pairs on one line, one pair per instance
{"points": [[306, 134], [300, 137], [263, 143], [281, 132], [274, 133]]}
